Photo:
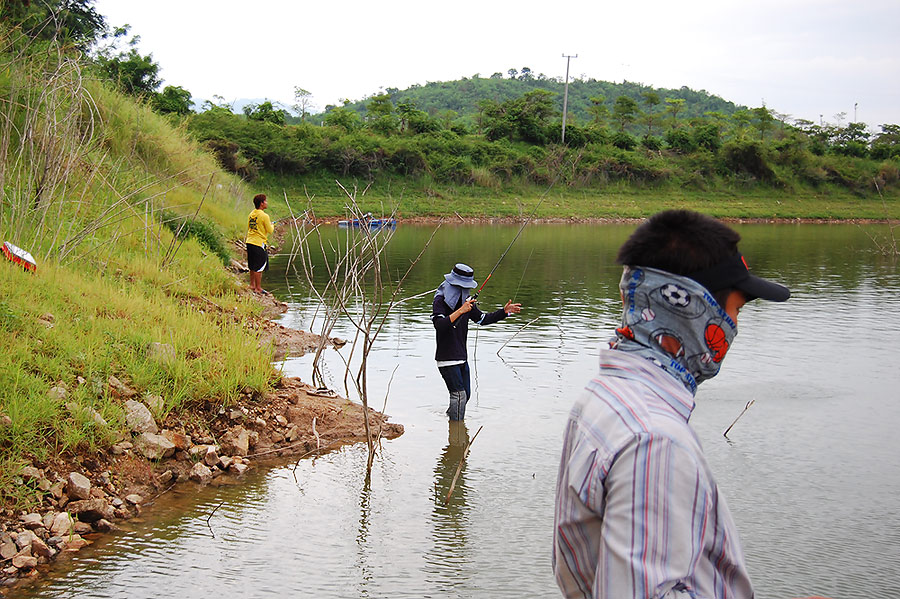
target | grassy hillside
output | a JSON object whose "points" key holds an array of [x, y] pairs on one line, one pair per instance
{"points": [[93, 187]]}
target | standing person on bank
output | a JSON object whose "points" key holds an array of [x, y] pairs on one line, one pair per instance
{"points": [[451, 312], [638, 512], [259, 226]]}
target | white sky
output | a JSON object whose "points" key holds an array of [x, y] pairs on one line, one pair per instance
{"points": [[803, 58]]}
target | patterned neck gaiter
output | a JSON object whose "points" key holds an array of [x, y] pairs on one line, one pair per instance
{"points": [[674, 322]]}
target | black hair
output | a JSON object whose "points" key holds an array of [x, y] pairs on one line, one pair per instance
{"points": [[680, 242], [258, 199]]}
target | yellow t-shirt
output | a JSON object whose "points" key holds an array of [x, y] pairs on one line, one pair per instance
{"points": [[259, 225]]}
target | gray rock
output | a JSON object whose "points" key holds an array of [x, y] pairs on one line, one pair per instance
{"points": [[57, 393], [211, 457], [24, 562], [48, 519], [40, 549], [134, 499], [87, 413], [224, 462], [32, 521], [78, 486], [62, 524], [81, 528], [30, 473], [162, 352], [236, 441], [201, 473], [24, 539], [155, 402], [139, 418], [120, 388], [8, 548], [293, 434], [154, 447], [238, 467], [121, 447], [91, 510], [166, 476]]}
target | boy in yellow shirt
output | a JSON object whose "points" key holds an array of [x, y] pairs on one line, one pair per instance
{"points": [[259, 225]]}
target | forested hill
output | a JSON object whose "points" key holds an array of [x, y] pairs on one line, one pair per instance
{"points": [[586, 96]]}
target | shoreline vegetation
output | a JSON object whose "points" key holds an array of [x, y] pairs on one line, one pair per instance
{"points": [[136, 358]]}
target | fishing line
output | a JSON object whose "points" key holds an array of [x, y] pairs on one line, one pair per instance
{"points": [[516, 295]]}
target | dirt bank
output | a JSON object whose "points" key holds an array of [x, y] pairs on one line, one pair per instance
{"points": [[84, 495]]}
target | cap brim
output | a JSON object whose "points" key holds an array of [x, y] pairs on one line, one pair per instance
{"points": [[758, 287]]}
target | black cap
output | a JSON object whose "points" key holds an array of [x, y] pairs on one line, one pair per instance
{"points": [[734, 272]]}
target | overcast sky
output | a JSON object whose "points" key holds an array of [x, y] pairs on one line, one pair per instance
{"points": [[802, 58]]}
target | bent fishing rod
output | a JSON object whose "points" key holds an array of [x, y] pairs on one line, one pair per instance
{"points": [[522, 228]]}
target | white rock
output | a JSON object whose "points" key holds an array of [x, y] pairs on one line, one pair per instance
{"points": [[62, 525], [139, 418], [154, 447]]}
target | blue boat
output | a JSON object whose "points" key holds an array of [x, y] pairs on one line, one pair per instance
{"points": [[367, 222]]}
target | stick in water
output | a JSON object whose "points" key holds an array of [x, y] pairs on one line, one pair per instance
{"points": [[459, 468], [747, 407]]}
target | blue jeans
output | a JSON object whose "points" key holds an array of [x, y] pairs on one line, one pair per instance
{"points": [[457, 381]]}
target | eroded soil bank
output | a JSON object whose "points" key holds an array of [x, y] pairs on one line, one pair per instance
{"points": [[83, 496]]}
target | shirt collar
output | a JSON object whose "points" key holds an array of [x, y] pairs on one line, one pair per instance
{"points": [[637, 368]]}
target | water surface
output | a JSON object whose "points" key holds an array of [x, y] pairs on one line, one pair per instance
{"points": [[810, 471]]}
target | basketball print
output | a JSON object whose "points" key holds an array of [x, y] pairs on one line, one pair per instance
{"points": [[716, 341]]}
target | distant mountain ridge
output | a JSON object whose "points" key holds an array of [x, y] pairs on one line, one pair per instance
{"points": [[462, 96]]}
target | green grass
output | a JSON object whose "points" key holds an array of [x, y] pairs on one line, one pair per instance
{"points": [[110, 279], [423, 198]]}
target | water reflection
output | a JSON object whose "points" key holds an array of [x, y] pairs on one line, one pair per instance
{"points": [[448, 559]]}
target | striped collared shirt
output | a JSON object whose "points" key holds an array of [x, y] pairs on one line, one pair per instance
{"points": [[638, 512]]}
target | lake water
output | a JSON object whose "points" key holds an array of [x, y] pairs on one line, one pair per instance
{"points": [[810, 470]]}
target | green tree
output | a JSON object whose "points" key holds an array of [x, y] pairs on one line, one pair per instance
{"points": [[598, 111], [302, 102], [341, 116], [651, 101], [76, 22], [675, 105], [764, 121], [265, 112], [173, 99], [381, 115], [133, 73], [625, 111]]}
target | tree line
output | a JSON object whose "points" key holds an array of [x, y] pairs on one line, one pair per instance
{"points": [[489, 131]]}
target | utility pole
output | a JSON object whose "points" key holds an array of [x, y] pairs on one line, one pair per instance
{"points": [[855, 104], [566, 95]]}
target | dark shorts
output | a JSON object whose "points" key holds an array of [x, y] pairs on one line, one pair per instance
{"points": [[257, 258]]}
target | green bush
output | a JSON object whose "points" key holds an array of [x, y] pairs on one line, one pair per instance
{"points": [[624, 141], [204, 231]]}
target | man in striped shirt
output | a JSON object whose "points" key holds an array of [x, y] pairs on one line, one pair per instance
{"points": [[638, 512]]}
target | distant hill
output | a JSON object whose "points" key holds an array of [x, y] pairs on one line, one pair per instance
{"points": [[462, 96]]}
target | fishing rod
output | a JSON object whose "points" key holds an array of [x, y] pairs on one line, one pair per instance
{"points": [[522, 228]]}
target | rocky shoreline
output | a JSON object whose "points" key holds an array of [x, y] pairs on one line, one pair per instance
{"points": [[85, 495]]}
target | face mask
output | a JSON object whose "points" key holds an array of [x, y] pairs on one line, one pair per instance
{"points": [[452, 294], [674, 322]]}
